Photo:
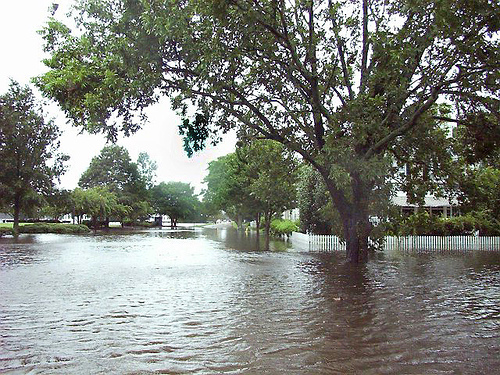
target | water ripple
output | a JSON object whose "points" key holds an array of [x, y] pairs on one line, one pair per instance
{"points": [[187, 304]]}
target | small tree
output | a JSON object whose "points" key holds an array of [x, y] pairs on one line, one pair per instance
{"points": [[29, 161], [97, 202]]}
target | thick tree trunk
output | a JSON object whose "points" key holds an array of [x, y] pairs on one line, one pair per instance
{"points": [[257, 224], [17, 210], [239, 222], [173, 223], [354, 216], [356, 231]]}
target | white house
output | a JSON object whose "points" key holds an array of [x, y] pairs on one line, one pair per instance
{"points": [[435, 206]]}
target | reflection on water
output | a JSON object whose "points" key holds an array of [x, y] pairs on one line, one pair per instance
{"points": [[215, 302]]}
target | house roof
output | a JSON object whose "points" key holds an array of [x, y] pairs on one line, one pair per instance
{"points": [[429, 201]]}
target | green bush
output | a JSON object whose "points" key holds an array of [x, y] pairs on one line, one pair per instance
{"points": [[423, 224], [54, 228], [282, 227]]}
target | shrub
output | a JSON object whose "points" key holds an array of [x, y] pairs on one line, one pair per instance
{"points": [[281, 227], [142, 224], [54, 228]]}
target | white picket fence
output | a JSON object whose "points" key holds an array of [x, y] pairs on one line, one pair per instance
{"points": [[325, 243]]}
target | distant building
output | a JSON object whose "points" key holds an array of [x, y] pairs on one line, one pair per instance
{"points": [[292, 215], [434, 206], [5, 218]]}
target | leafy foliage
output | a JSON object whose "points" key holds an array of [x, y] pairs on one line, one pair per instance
{"points": [[423, 224], [147, 169], [57, 204], [316, 213], [54, 228], [175, 199], [226, 189], [98, 202], [280, 227]]}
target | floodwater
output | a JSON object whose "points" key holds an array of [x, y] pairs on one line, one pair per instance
{"points": [[209, 302]]}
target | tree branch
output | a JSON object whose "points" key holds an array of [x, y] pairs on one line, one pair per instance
{"points": [[340, 50], [364, 52], [405, 127]]}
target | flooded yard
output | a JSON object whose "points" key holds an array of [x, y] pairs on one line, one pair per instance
{"points": [[212, 302]]}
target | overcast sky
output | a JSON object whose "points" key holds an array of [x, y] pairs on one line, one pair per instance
{"points": [[21, 59]]}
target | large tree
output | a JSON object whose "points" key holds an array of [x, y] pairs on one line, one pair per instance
{"points": [[342, 83], [29, 161]]}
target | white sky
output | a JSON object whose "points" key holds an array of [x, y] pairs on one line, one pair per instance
{"points": [[22, 53]]}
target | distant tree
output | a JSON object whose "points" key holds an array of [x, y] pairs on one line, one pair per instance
{"points": [[228, 189], [209, 212], [257, 181], [97, 202], [272, 173], [114, 169], [29, 161], [147, 169], [175, 199]]}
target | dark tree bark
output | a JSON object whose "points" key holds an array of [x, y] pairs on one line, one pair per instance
{"points": [[355, 218], [17, 210]]}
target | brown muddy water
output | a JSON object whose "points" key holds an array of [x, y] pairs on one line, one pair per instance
{"points": [[209, 302]]}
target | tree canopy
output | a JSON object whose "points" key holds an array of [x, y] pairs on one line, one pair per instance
{"points": [[112, 168], [342, 83], [227, 189], [29, 158]]}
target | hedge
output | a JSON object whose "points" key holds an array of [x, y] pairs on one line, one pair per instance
{"points": [[54, 228]]}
